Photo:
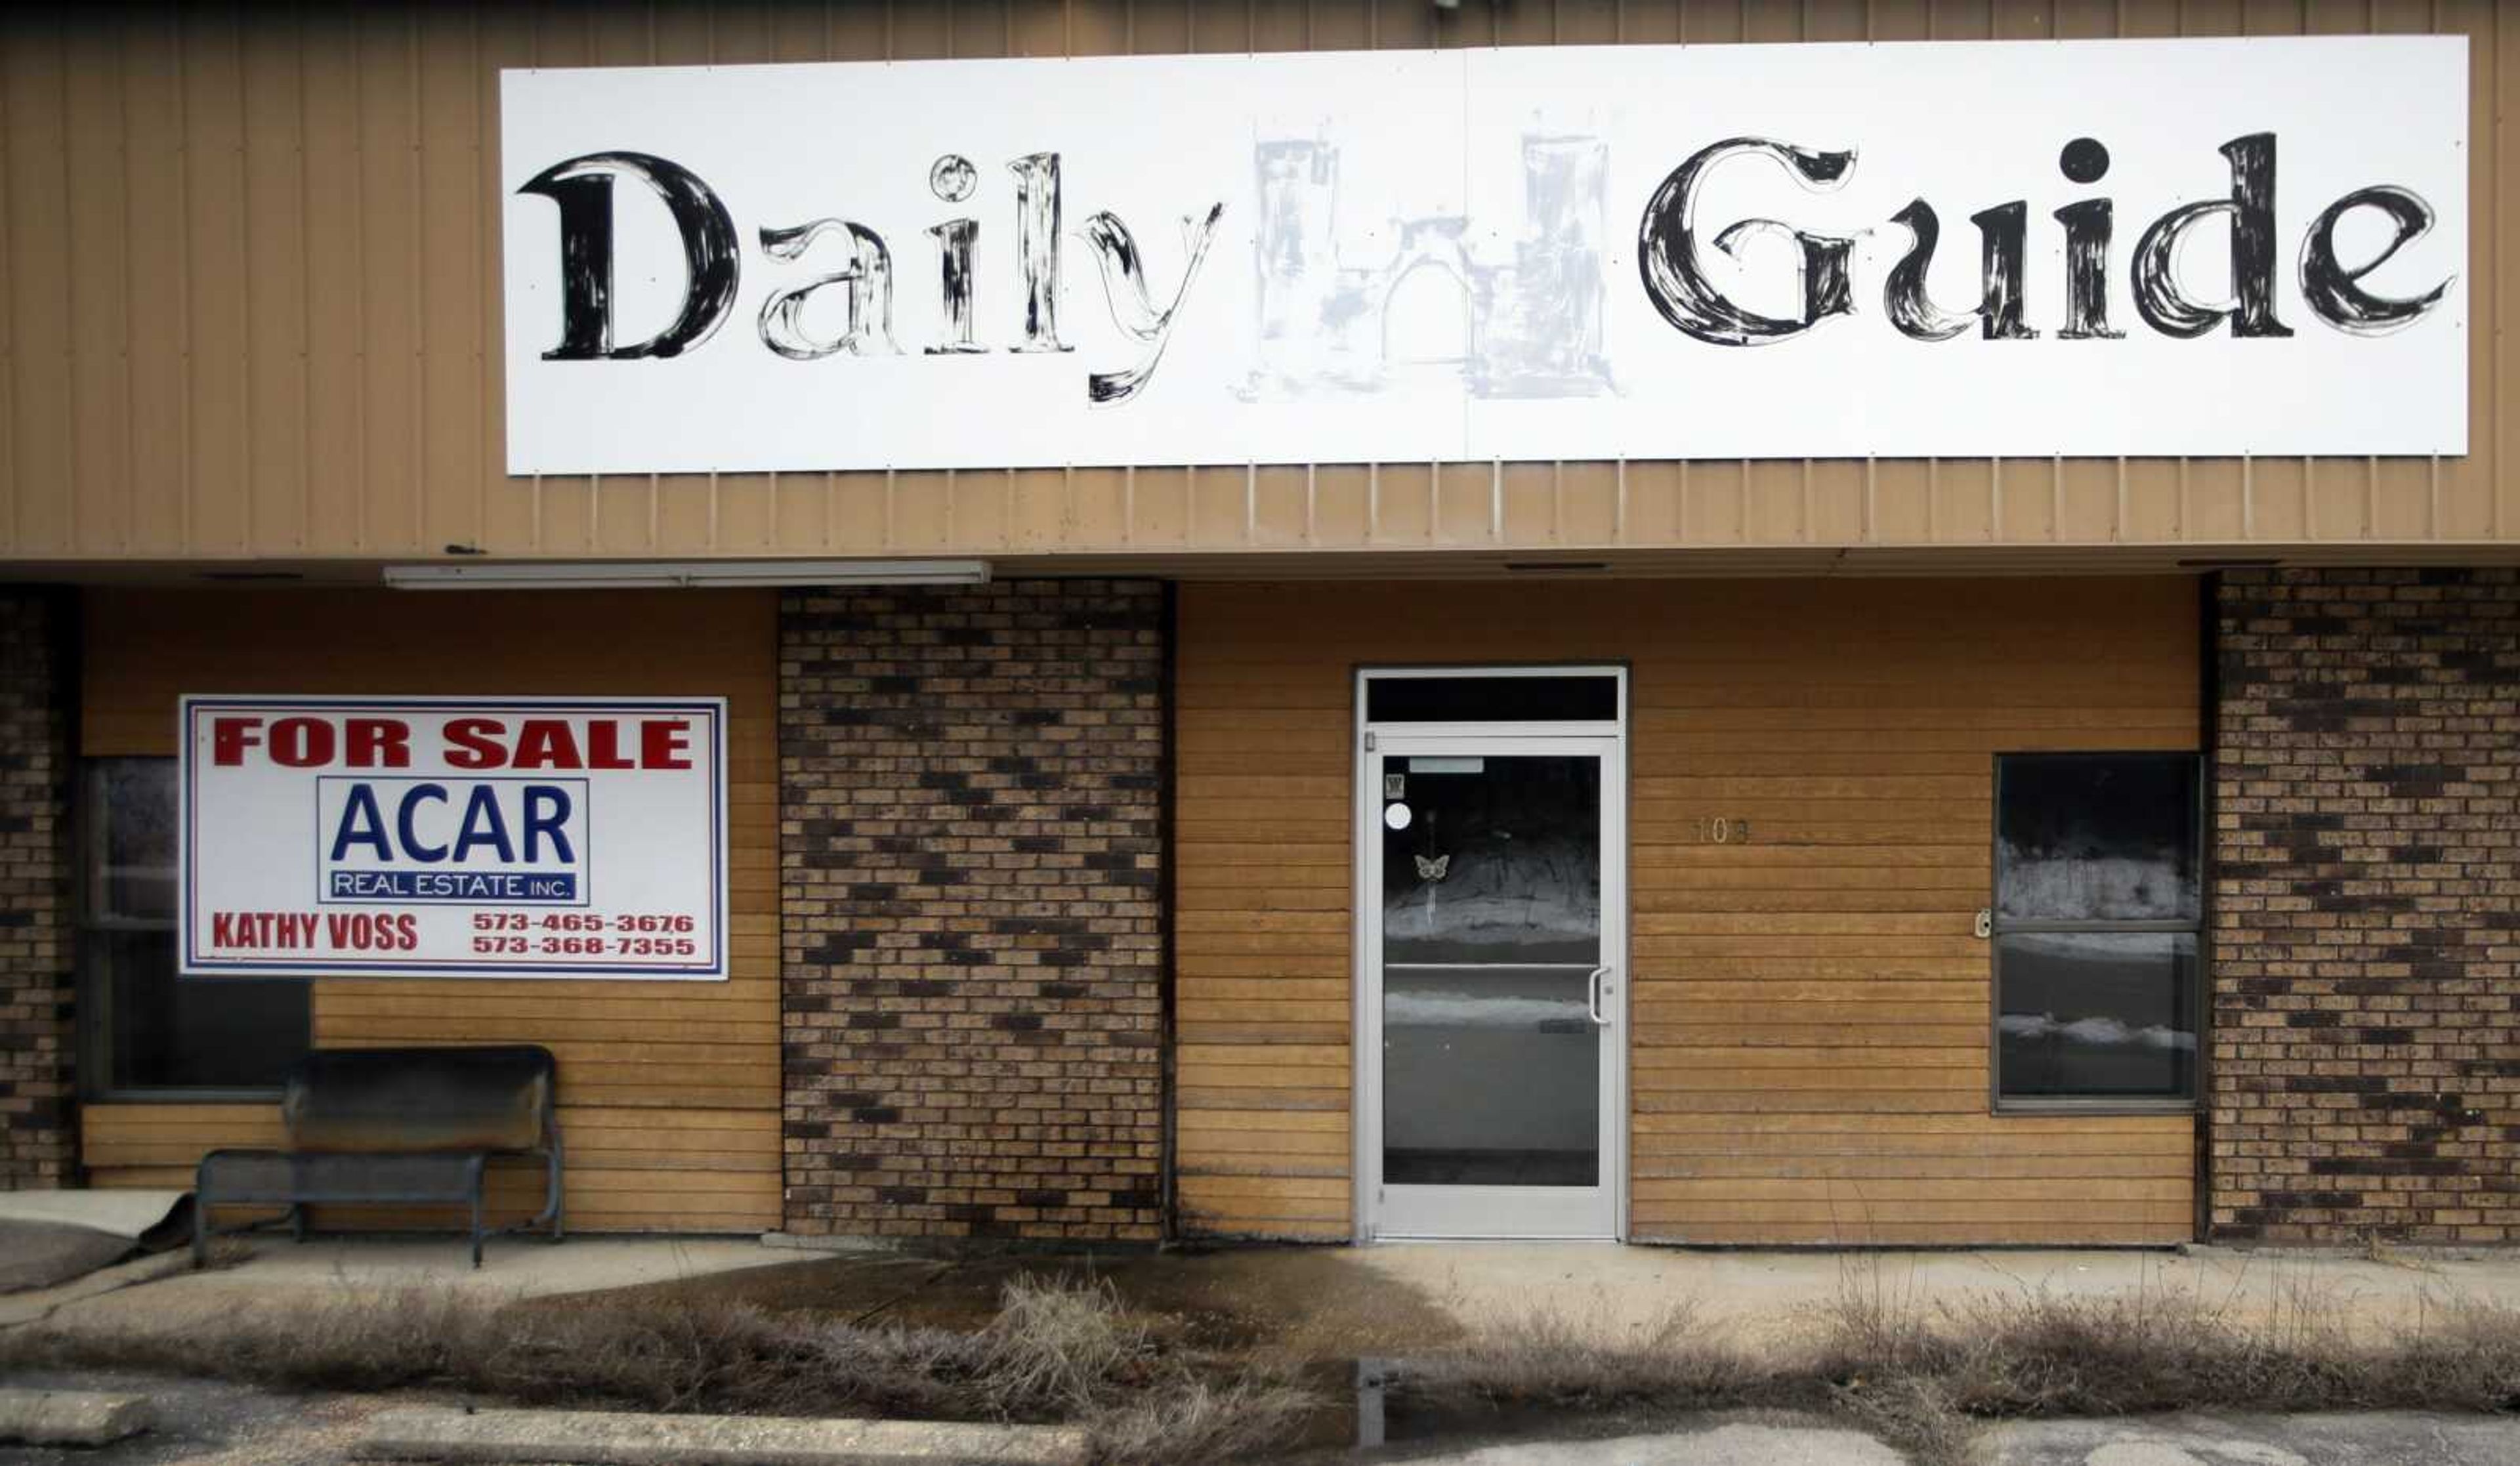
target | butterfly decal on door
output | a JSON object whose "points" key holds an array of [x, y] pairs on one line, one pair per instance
{"points": [[1432, 868]]}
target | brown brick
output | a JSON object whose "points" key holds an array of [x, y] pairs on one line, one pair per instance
{"points": [[972, 932], [2367, 915], [38, 1122]]}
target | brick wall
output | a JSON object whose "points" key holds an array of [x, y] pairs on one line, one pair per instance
{"points": [[972, 925], [37, 1121], [2365, 1076]]}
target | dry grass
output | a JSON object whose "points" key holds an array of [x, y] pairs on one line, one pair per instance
{"points": [[225, 1253], [1923, 1377], [1055, 1352], [1913, 1412], [1192, 1419], [1550, 1356], [1920, 1375], [2166, 1349]]}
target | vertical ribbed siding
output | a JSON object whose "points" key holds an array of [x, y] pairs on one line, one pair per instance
{"points": [[250, 308]]}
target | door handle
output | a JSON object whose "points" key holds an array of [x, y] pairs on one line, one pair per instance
{"points": [[1595, 988]]}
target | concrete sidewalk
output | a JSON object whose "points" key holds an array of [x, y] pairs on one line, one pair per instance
{"points": [[511, 1267], [164, 1292]]}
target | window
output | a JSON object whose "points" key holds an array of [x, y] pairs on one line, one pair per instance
{"points": [[143, 1027], [1532, 697], [2097, 904]]}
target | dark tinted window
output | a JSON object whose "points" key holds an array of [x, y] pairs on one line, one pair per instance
{"points": [[1491, 699], [2098, 901], [146, 1028], [2097, 1014], [2099, 837], [162, 1032], [1491, 927], [131, 839], [1499, 862]]}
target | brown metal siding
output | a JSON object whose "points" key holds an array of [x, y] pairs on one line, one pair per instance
{"points": [[1810, 1023], [250, 309]]}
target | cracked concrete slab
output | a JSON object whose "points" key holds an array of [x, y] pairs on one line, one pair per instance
{"points": [[1729, 1445], [283, 1275], [592, 1437], [72, 1417]]}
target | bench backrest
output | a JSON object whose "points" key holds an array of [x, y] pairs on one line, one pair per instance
{"points": [[407, 1101]]}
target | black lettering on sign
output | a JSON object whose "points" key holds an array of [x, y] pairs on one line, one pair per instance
{"points": [[2251, 212], [2336, 293], [1676, 284], [582, 186]]}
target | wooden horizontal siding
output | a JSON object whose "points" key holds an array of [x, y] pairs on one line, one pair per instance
{"points": [[251, 309], [670, 1091], [1809, 1011], [630, 1169]]}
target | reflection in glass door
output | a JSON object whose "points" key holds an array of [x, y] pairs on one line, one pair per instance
{"points": [[1493, 946]]}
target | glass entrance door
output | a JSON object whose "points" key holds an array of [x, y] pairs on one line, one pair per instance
{"points": [[1494, 943]]}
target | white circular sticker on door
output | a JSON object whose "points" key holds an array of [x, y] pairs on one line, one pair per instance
{"points": [[1396, 816]]}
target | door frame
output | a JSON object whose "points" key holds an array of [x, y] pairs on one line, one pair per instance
{"points": [[1606, 740]]}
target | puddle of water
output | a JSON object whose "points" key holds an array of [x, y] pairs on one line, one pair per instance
{"points": [[1371, 1402]]}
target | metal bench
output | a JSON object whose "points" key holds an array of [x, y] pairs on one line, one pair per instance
{"points": [[394, 1126]]}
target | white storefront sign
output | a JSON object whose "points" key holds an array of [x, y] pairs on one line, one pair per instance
{"points": [[454, 837], [2023, 248]]}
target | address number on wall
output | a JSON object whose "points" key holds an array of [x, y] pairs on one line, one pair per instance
{"points": [[1722, 830]]}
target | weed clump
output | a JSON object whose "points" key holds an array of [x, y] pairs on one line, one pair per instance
{"points": [[2042, 1355], [1055, 1351], [1550, 1355], [1923, 1377]]}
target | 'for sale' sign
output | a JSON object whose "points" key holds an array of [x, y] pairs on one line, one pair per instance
{"points": [[454, 837]]}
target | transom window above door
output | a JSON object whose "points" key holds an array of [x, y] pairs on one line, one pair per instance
{"points": [[1535, 695]]}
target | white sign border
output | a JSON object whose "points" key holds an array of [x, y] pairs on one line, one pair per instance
{"points": [[633, 417], [190, 967]]}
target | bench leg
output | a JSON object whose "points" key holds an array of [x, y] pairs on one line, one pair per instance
{"points": [[297, 1222], [558, 1196], [200, 1216], [476, 1216]]}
